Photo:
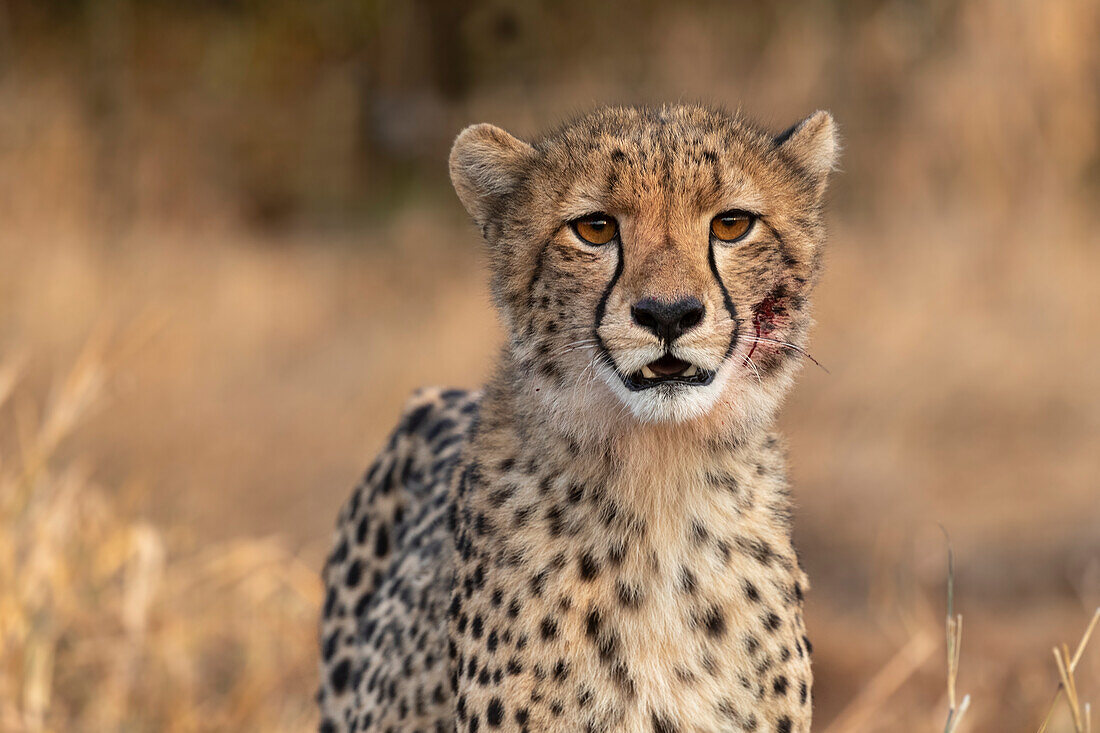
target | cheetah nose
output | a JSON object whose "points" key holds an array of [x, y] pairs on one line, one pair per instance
{"points": [[668, 320]]}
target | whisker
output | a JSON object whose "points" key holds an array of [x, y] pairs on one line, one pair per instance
{"points": [[571, 349], [786, 345], [573, 345], [751, 363], [581, 378]]}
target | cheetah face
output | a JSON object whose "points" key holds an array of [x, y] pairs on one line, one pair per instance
{"points": [[665, 256]]}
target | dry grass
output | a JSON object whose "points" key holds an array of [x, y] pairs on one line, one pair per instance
{"points": [[108, 624], [1067, 666]]}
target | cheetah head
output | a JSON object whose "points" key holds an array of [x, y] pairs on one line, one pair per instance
{"points": [[657, 259]]}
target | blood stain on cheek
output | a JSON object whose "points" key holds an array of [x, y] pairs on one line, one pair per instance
{"points": [[765, 319]]}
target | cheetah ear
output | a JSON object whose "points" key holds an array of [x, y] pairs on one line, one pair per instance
{"points": [[812, 145], [487, 165]]}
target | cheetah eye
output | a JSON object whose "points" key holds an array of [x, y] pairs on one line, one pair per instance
{"points": [[730, 226], [596, 229]]}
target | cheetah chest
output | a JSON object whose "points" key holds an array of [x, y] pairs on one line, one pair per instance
{"points": [[603, 618]]}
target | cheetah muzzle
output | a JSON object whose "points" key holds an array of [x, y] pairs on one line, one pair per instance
{"points": [[599, 540]]}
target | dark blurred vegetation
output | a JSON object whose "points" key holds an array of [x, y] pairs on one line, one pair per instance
{"points": [[332, 112], [250, 200]]}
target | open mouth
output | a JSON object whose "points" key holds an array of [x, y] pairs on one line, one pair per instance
{"points": [[668, 370]]}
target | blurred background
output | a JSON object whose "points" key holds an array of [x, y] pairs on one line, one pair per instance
{"points": [[229, 250]]}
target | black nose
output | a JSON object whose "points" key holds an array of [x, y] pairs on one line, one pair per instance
{"points": [[668, 320]]}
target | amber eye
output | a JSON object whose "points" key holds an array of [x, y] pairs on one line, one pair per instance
{"points": [[596, 229], [729, 226]]}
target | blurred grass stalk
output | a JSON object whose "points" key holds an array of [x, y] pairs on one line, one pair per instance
{"points": [[955, 710], [107, 625], [1067, 665]]}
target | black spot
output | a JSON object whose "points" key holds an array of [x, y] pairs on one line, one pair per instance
{"points": [[629, 595], [751, 592], [329, 647], [355, 574], [687, 580], [382, 541], [556, 524], [617, 552], [772, 622], [757, 549], [523, 514], [361, 529], [439, 428], [714, 622], [538, 581], [621, 675], [592, 623], [494, 715], [589, 567], [339, 677], [608, 646], [779, 686], [548, 628], [784, 725], [661, 724]]}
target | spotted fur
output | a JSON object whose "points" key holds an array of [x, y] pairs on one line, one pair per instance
{"points": [[563, 553]]}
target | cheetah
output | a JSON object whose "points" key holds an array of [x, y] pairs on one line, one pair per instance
{"points": [[599, 539]]}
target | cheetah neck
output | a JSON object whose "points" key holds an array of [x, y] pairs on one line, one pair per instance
{"points": [[667, 477]]}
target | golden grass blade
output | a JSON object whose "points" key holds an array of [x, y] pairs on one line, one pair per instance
{"points": [[1081, 645], [954, 647], [1085, 639], [1061, 657], [955, 711], [954, 718]]}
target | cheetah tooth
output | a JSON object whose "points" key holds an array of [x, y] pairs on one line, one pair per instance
{"points": [[648, 373], [691, 371]]}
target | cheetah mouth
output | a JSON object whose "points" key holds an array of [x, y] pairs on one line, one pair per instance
{"points": [[668, 370]]}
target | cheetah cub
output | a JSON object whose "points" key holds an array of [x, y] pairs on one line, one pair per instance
{"points": [[600, 539]]}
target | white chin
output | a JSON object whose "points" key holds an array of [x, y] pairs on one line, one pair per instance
{"points": [[669, 402]]}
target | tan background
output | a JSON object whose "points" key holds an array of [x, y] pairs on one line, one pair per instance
{"points": [[238, 213]]}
